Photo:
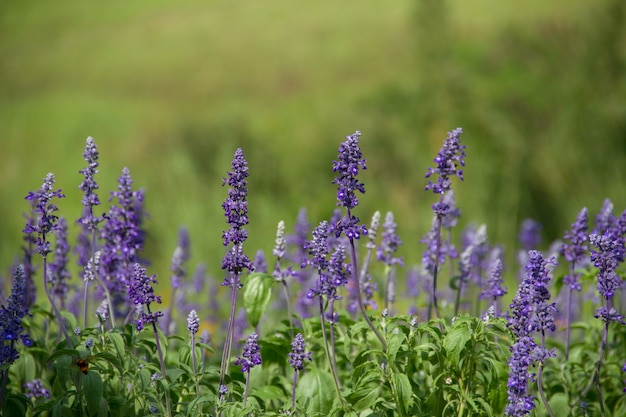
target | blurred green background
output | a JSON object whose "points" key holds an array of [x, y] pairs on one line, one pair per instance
{"points": [[171, 89]]}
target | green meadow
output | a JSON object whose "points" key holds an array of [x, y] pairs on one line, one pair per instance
{"points": [[171, 89]]}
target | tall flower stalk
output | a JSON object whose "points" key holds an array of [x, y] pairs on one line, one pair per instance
{"points": [[235, 261], [141, 295], [385, 253], [328, 279], [449, 160], [297, 358], [193, 325], [11, 328], [179, 257], [279, 273], [346, 168], [606, 254], [575, 252], [250, 358], [86, 247], [530, 312], [45, 225]]}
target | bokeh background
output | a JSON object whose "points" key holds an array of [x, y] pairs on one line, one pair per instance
{"points": [[171, 89]]}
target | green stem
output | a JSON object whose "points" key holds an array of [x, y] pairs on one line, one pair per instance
{"points": [[168, 404], [326, 347]]}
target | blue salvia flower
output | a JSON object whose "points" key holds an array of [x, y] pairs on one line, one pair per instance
{"points": [[390, 243], [236, 212], [122, 234], [179, 257], [260, 262], [450, 158], [193, 323], [605, 220], [141, 293], [34, 389], [606, 257], [530, 312], [436, 250], [58, 273], [530, 234], [251, 356], [44, 209], [452, 214], [88, 221], [298, 354], [494, 289], [346, 168], [574, 248], [11, 315]]}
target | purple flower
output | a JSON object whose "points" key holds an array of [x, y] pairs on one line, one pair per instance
{"points": [[141, 293], [35, 389], [122, 235], [58, 273], [331, 273], [251, 356], [298, 355], [346, 169], [11, 315], [494, 288], [450, 158], [193, 324], [605, 220], [575, 247], [260, 263], [45, 209], [530, 312], [520, 403], [179, 257], [452, 213], [530, 234], [432, 257], [88, 222], [604, 257], [390, 242], [236, 212]]}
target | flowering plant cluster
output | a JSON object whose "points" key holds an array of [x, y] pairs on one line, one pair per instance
{"points": [[307, 335]]}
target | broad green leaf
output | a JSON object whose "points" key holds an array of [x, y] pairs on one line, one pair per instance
{"points": [[393, 345], [92, 387], [316, 387], [118, 342], [403, 392], [368, 397], [454, 342], [256, 296]]}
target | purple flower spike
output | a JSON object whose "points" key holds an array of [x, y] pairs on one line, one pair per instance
{"points": [[122, 234], [141, 293], [58, 267], [346, 169], [179, 257], [298, 355], [450, 158], [530, 234], [236, 212], [251, 356], [45, 209], [575, 247], [11, 329], [193, 323], [390, 242]]}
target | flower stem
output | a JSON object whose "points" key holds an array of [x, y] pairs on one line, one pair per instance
{"points": [[355, 277], [333, 370], [230, 330], [168, 404], [540, 378], [57, 314]]}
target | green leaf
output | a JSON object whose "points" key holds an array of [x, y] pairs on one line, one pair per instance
{"points": [[92, 387], [118, 342], [403, 392], [393, 345], [316, 387], [256, 296], [454, 342]]}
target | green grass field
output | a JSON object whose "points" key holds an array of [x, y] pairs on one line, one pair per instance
{"points": [[170, 89]]}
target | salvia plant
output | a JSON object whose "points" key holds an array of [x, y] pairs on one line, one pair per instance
{"points": [[335, 322]]}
